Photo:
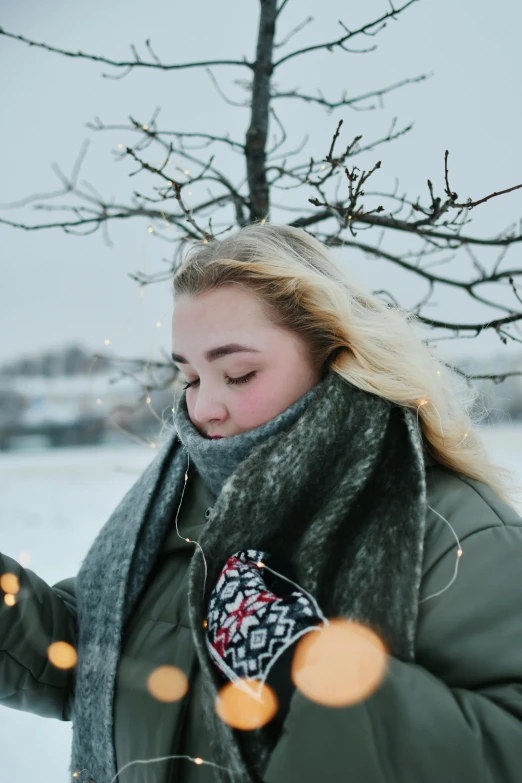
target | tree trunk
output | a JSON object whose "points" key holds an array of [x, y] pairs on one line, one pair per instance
{"points": [[258, 131]]}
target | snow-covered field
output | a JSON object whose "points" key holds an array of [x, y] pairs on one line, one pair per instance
{"points": [[52, 503]]}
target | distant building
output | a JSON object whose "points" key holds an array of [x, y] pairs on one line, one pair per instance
{"points": [[71, 360], [71, 397]]}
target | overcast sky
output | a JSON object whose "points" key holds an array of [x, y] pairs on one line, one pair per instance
{"points": [[57, 289]]}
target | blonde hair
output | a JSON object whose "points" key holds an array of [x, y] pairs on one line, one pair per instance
{"points": [[351, 331]]}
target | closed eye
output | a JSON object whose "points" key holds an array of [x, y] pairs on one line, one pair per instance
{"points": [[230, 381]]}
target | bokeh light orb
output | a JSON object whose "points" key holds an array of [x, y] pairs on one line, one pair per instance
{"points": [[341, 664], [239, 709], [9, 599], [62, 655], [10, 583], [167, 684]]}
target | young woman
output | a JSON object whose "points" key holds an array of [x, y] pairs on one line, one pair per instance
{"points": [[322, 464]]}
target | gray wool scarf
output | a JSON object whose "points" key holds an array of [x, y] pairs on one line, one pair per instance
{"points": [[341, 491], [216, 460]]}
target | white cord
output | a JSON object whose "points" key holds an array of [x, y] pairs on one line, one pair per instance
{"points": [[459, 555]]}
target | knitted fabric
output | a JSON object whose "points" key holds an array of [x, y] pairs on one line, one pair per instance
{"points": [[216, 460], [341, 493], [249, 625]]}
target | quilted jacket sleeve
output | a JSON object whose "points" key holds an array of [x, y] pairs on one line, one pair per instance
{"points": [[42, 615], [455, 715]]}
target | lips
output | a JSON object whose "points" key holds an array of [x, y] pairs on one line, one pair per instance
{"points": [[214, 437]]}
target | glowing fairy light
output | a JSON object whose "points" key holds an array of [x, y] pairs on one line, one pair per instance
{"points": [[120, 146], [98, 401], [420, 404], [190, 193], [323, 168], [145, 127], [438, 372], [198, 761], [186, 171], [158, 324], [461, 440], [10, 583], [106, 342], [148, 400], [152, 445], [9, 599], [167, 684], [150, 229], [62, 655], [237, 708], [260, 564], [339, 664]]}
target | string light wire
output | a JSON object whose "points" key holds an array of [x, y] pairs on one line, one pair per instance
{"points": [[177, 514], [290, 581], [427, 402], [459, 555], [196, 760]]}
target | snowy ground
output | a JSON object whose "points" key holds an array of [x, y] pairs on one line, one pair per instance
{"points": [[52, 503]]}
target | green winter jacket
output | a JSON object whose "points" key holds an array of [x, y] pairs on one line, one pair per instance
{"points": [[454, 715]]}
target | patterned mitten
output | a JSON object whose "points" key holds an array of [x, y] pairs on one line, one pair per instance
{"points": [[255, 619]]}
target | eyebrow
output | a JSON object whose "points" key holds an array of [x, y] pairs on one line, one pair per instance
{"points": [[218, 353]]}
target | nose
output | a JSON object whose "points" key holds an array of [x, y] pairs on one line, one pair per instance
{"points": [[208, 408]]}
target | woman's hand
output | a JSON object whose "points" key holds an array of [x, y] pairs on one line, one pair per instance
{"points": [[256, 614]]}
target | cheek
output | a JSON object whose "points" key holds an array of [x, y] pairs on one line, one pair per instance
{"points": [[255, 406]]}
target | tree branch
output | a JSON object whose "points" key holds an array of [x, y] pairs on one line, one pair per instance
{"points": [[68, 185], [399, 225], [344, 101], [294, 31], [469, 204], [153, 133], [128, 64], [478, 328], [366, 29], [467, 285]]}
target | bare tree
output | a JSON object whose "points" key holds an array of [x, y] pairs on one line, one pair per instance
{"points": [[337, 189]]}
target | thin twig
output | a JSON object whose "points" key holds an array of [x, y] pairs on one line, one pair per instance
{"points": [[129, 64], [339, 42]]}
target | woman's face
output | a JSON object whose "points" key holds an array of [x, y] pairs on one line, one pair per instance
{"points": [[272, 375]]}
